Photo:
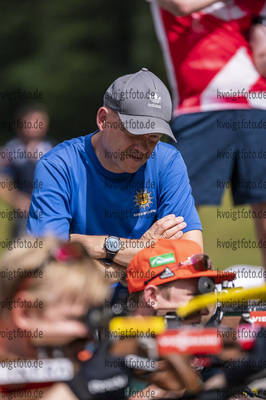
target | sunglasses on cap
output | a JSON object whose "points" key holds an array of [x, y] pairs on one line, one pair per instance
{"points": [[66, 253], [199, 262]]}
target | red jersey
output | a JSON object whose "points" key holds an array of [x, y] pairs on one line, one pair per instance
{"points": [[208, 57]]}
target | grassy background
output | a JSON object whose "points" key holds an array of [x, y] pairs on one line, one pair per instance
{"points": [[5, 225], [213, 228], [226, 229]]}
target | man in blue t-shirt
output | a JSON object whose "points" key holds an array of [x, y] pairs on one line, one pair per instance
{"points": [[119, 189]]}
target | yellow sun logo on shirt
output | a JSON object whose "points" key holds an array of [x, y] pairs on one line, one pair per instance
{"points": [[143, 199]]}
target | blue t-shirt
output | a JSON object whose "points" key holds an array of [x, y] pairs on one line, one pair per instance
{"points": [[74, 193]]}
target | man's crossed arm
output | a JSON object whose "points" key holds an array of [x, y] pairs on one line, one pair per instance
{"points": [[168, 227]]}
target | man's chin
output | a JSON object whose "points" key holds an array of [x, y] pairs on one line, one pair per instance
{"points": [[131, 165]]}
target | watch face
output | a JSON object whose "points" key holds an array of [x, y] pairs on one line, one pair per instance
{"points": [[113, 244]]}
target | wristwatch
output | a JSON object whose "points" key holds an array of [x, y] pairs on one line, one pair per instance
{"points": [[112, 245]]}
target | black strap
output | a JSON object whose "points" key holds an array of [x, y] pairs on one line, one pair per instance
{"points": [[259, 20]]}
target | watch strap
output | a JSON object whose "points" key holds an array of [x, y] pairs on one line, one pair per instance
{"points": [[109, 257]]}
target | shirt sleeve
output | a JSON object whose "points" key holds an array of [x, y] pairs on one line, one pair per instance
{"points": [[50, 211], [175, 193]]}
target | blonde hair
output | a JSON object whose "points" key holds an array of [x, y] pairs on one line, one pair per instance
{"points": [[77, 280]]}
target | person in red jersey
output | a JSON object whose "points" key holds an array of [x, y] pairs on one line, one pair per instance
{"points": [[215, 57]]}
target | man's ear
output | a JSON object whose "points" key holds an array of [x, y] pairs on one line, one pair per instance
{"points": [[101, 118], [24, 317], [150, 295]]}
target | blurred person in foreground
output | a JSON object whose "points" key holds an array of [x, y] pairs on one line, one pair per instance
{"points": [[19, 159], [215, 54], [119, 189], [61, 280]]}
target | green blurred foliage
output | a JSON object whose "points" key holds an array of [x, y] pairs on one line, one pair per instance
{"points": [[71, 51]]}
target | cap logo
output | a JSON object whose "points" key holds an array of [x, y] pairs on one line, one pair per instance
{"points": [[155, 98], [167, 273], [163, 259], [155, 101]]}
